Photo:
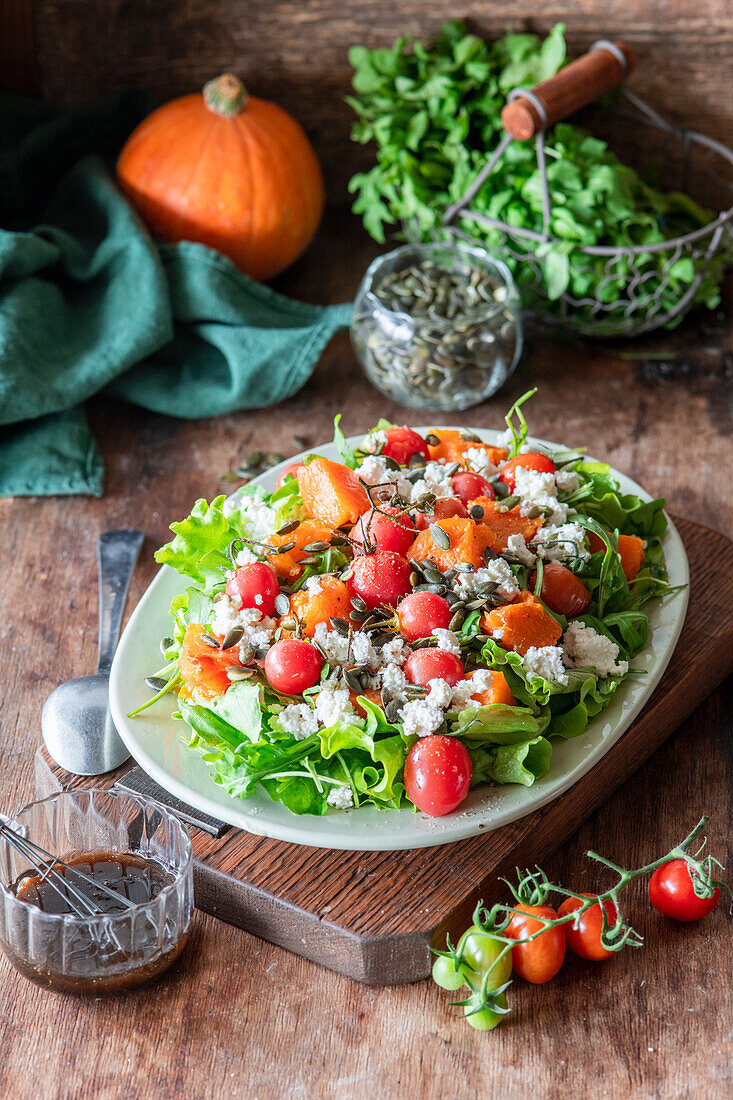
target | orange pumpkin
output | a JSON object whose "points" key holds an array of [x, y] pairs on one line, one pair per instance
{"points": [[231, 171]]}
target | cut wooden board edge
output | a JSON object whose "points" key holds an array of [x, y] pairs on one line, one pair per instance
{"points": [[386, 957]]}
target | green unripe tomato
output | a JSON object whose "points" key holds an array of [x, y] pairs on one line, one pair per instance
{"points": [[484, 1019], [483, 954], [446, 976]]}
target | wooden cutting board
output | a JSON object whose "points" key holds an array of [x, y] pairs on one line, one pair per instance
{"points": [[373, 916]]}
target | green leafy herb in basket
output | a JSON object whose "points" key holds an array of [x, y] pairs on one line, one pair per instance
{"points": [[434, 113]]}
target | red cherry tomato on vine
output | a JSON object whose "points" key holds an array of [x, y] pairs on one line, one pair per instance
{"points": [[532, 460], [402, 444], [291, 470], [562, 591], [425, 665], [539, 960], [468, 485], [444, 509], [437, 774], [256, 585], [380, 578], [422, 613], [585, 940], [672, 892], [396, 534], [292, 665]]}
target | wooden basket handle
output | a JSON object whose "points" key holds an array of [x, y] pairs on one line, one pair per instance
{"points": [[606, 65]]}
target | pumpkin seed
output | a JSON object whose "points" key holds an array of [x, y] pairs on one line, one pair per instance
{"points": [[247, 652], [473, 605], [286, 546], [165, 644], [457, 621], [360, 616], [282, 603], [340, 626], [414, 579], [433, 574], [451, 599], [392, 711], [316, 547], [207, 639], [423, 643], [156, 683], [233, 636], [346, 574], [464, 567], [432, 440], [533, 511], [507, 503], [358, 604], [440, 537], [234, 672], [488, 555], [288, 527], [469, 436], [353, 680], [501, 489]]}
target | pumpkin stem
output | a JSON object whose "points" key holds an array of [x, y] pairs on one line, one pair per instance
{"points": [[225, 95]]}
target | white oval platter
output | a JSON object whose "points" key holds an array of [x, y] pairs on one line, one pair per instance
{"points": [[156, 740]]}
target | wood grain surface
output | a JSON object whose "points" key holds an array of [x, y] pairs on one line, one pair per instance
{"points": [[374, 916], [242, 1018]]}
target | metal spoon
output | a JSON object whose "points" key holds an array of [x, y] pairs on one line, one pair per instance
{"points": [[76, 724]]}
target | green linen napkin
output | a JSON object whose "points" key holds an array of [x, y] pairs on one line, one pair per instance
{"points": [[89, 302]]}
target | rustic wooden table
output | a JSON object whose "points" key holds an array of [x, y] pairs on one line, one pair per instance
{"points": [[239, 1017]]}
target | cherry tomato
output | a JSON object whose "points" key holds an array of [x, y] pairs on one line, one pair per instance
{"points": [[289, 471], [562, 591], [585, 940], [437, 774], [421, 613], [672, 892], [446, 975], [484, 1019], [403, 443], [256, 585], [292, 665], [385, 532], [380, 578], [484, 955], [530, 461], [539, 960], [425, 665], [444, 509], [467, 486]]}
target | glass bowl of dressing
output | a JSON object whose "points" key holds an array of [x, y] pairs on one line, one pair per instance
{"points": [[115, 933]]}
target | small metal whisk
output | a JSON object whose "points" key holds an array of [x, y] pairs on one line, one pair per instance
{"points": [[45, 864]]}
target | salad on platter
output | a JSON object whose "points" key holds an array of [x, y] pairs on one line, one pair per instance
{"points": [[429, 614]]}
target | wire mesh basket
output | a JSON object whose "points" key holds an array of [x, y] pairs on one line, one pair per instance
{"points": [[635, 287]]}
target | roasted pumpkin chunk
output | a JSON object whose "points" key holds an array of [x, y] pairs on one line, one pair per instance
{"points": [[521, 624], [332, 493]]}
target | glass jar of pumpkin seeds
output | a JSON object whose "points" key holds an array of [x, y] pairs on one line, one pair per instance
{"points": [[438, 326]]}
